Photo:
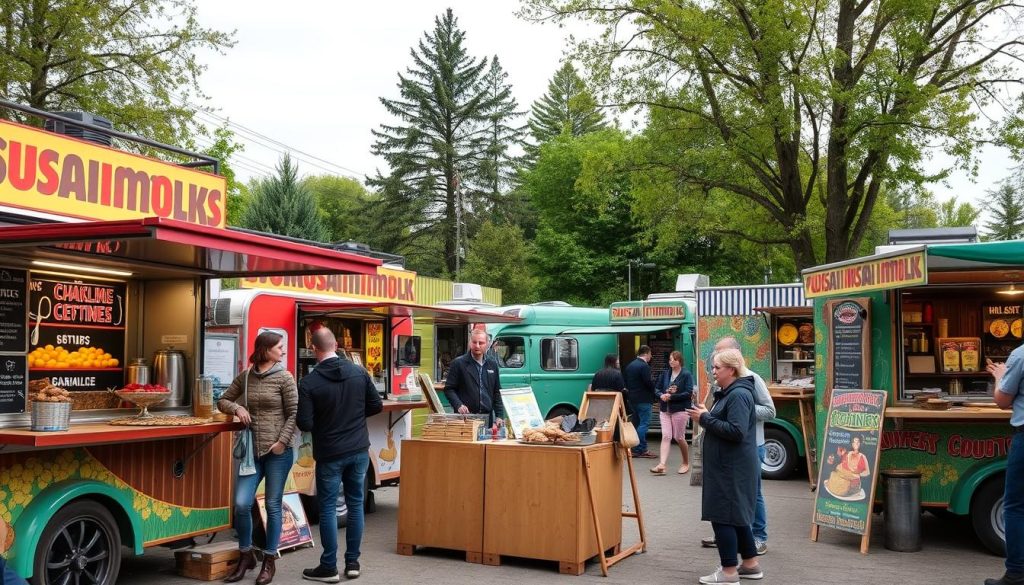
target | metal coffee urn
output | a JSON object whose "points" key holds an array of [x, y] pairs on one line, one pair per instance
{"points": [[138, 371], [169, 371]]}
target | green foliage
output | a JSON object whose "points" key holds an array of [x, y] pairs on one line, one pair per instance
{"points": [[499, 257], [122, 59], [498, 170], [222, 149], [953, 214], [434, 191], [284, 205], [568, 107], [342, 203], [1006, 208]]}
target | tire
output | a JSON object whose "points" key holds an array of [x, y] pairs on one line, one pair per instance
{"points": [[560, 411], [80, 544], [781, 455], [987, 515]]}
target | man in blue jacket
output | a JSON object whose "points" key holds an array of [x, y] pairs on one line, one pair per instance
{"points": [[334, 401], [640, 387], [472, 385]]}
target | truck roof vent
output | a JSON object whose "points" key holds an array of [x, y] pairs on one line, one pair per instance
{"points": [[221, 311], [74, 131], [466, 291]]}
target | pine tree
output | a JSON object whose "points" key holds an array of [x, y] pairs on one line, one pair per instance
{"points": [[497, 172], [568, 106], [436, 150], [1006, 208], [283, 205]]}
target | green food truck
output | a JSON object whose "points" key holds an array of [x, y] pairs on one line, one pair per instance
{"points": [[919, 322]]}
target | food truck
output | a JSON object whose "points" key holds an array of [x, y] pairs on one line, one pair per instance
{"points": [[378, 325], [113, 266], [920, 322], [774, 326]]}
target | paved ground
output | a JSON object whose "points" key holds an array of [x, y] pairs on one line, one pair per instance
{"points": [[951, 555]]}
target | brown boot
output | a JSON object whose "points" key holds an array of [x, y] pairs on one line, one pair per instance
{"points": [[266, 571], [246, 561]]}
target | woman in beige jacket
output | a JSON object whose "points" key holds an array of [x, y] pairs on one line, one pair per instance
{"points": [[265, 399]]}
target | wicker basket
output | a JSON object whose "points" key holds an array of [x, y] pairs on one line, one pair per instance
{"points": [[51, 416]]}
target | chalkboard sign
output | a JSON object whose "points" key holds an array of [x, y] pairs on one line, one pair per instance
{"points": [[849, 462], [13, 383], [13, 310], [850, 333]]}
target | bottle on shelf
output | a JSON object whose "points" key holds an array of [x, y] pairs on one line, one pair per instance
{"points": [[924, 343]]}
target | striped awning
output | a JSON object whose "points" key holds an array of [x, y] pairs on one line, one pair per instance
{"points": [[742, 300]]}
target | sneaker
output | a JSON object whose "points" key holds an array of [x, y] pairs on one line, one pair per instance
{"points": [[351, 569], [751, 573], [761, 546], [1007, 579], [708, 542], [322, 574], [719, 578]]}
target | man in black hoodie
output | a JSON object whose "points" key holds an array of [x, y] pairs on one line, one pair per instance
{"points": [[334, 401]]}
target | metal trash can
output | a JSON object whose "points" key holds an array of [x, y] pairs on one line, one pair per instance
{"points": [[902, 509]]}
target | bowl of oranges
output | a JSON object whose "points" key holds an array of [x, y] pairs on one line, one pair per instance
{"points": [[48, 357]]}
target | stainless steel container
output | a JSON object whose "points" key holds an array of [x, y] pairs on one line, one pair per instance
{"points": [[50, 416], [169, 371], [202, 397], [138, 371]]}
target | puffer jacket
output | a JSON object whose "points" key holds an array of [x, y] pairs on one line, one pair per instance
{"points": [[272, 401]]}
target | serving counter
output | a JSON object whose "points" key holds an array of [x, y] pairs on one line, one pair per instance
{"points": [[491, 499], [98, 433]]}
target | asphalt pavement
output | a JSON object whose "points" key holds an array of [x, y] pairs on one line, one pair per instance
{"points": [[950, 553]]}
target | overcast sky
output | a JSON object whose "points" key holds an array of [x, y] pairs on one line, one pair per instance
{"points": [[309, 75]]}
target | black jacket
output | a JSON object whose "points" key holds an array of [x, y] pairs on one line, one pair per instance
{"points": [[681, 399], [334, 401], [474, 385], [731, 465], [638, 382]]}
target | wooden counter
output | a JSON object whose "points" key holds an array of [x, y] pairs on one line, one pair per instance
{"points": [[391, 405], [805, 402], [441, 497], [955, 413], [99, 433], [538, 505]]}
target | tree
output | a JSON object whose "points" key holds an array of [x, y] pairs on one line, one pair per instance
{"points": [[283, 205], [499, 256], [498, 171], [782, 103], [1006, 208], [222, 149], [437, 149], [953, 214], [122, 59], [342, 204], [568, 106]]}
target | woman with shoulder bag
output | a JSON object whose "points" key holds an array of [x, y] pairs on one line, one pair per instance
{"points": [[674, 390], [265, 399]]}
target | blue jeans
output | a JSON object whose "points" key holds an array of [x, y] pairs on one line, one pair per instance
{"points": [[642, 420], [1013, 506], [275, 469], [349, 473], [760, 525]]}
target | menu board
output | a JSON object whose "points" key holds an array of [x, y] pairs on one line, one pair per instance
{"points": [[1002, 325], [13, 310], [13, 383], [849, 462], [850, 335], [77, 332]]}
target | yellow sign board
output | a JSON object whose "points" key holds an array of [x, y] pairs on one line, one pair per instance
{"points": [[883, 273], [47, 172], [375, 346], [389, 284]]}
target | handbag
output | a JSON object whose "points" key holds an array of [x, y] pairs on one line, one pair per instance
{"points": [[628, 436], [243, 447]]}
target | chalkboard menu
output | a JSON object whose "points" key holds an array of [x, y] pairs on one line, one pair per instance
{"points": [[77, 332], [850, 335], [13, 310], [13, 383], [849, 461]]}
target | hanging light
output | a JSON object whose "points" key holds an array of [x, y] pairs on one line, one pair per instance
{"points": [[1012, 291]]}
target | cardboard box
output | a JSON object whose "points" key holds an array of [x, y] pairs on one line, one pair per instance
{"points": [[208, 562]]}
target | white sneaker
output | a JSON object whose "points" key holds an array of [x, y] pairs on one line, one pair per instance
{"points": [[719, 578]]}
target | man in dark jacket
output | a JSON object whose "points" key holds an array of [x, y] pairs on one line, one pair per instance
{"points": [[334, 401], [472, 385], [641, 397]]}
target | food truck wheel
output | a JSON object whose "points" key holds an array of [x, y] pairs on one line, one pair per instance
{"points": [[780, 454], [80, 544], [987, 515], [560, 411]]}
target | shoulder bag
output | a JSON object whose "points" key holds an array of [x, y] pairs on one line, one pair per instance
{"points": [[628, 436], [243, 447]]}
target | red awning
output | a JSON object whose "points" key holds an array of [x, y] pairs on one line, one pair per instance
{"points": [[383, 309], [157, 247]]}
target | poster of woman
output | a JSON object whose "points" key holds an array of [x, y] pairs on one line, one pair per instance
{"points": [[850, 473]]}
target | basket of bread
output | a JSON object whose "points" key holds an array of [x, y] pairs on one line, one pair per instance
{"points": [[51, 406], [550, 433]]}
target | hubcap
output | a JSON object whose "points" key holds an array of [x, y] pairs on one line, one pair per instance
{"points": [[79, 554], [997, 519], [774, 456]]}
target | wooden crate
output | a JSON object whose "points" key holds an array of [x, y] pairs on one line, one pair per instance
{"points": [[209, 562]]}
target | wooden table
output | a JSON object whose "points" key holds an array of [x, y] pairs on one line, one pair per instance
{"points": [[955, 413], [99, 433], [805, 401]]}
